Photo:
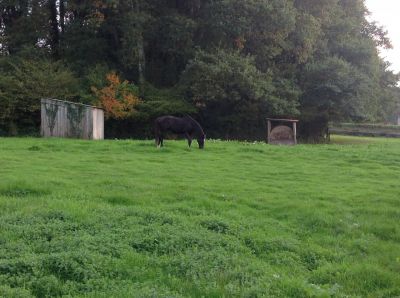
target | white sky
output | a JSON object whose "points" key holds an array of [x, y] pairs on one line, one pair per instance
{"points": [[387, 14]]}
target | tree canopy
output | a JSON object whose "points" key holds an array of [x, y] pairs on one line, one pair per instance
{"points": [[230, 63]]}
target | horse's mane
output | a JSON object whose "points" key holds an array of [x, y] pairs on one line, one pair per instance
{"points": [[198, 126]]}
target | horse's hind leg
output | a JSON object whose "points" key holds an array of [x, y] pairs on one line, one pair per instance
{"points": [[159, 141], [158, 135]]}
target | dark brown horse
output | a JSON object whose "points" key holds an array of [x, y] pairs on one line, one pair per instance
{"points": [[186, 126]]}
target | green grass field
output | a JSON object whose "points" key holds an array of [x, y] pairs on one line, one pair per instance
{"points": [[124, 219]]}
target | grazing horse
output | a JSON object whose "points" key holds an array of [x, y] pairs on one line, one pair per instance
{"points": [[186, 126]]}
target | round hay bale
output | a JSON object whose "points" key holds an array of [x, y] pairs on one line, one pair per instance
{"points": [[282, 135]]}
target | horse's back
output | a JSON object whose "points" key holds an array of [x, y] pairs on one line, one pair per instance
{"points": [[164, 119], [167, 120], [172, 123]]}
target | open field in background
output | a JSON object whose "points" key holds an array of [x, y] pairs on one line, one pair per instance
{"points": [[122, 218], [366, 130]]}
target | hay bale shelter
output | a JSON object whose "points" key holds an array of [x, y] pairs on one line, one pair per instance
{"points": [[282, 131], [66, 119]]}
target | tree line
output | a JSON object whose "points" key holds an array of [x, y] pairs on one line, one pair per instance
{"points": [[228, 63]]}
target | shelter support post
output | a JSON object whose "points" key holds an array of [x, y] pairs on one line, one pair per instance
{"points": [[295, 132], [269, 131]]}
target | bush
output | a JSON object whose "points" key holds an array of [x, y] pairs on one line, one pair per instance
{"points": [[23, 83]]}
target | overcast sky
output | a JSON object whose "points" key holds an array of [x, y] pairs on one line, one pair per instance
{"points": [[387, 14]]}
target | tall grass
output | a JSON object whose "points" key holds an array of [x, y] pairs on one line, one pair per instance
{"points": [[122, 218]]}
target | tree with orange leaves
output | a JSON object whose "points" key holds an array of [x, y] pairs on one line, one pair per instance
{"points": [[118, 99]]}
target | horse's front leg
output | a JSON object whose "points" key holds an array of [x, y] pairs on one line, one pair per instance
{"points": [[189, 139]]}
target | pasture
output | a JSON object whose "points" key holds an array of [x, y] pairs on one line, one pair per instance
{"points": [[124, 219]]}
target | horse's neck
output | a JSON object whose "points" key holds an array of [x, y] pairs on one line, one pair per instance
{"points": [[198, 130]]}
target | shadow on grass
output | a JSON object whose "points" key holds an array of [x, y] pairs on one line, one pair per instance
{"points": [[22, 190]]}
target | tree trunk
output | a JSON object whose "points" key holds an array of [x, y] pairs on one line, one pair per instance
{"points": [[12, 128], [141, 53], [62, 15], [141, 64], [54, 33]]}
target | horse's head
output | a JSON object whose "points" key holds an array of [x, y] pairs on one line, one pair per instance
{"points": [[200, 140]]}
